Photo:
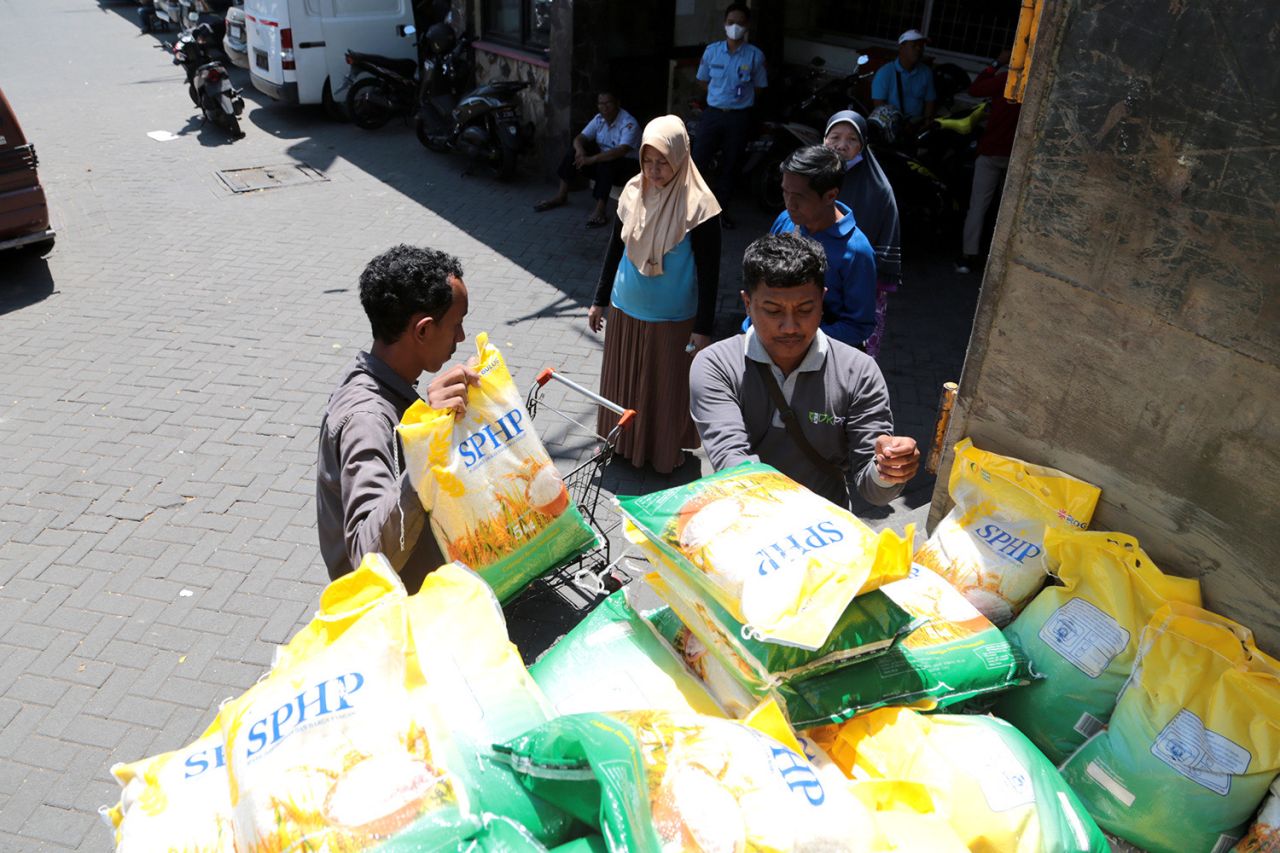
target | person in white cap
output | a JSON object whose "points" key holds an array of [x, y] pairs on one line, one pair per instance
{"points": [[907, 83]]}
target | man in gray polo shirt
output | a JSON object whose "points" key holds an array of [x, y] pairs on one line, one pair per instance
{"points": [[415, 300], [841, 438]]}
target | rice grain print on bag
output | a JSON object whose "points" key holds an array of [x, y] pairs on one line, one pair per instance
{"points": [[497, 503]]}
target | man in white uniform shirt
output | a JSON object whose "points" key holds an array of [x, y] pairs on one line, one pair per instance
{"points": [[605, 152]]}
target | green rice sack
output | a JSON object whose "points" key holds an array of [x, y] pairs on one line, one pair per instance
{"points": [[1194, 740], [1082, 636], [738, 702], [869, 626], [955, 655], [655, 781], [776, 556], [614, 660]]}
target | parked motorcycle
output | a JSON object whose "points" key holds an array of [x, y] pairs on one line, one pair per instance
{"points": [[808, 103], [485, 123], [930, 172], [208, 83], [384, 87]]}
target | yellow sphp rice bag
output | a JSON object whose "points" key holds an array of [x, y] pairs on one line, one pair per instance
{"points": [[978, 774], [177, 801], [497, 503], [991, 545], [334, 748], [1083, 635], [780, 559], [1194, 741]]}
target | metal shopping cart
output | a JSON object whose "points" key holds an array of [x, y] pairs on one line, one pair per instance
{"points": [[590, 575]]}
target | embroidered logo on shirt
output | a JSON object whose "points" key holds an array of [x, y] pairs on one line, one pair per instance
{"points": [[824, 418]]}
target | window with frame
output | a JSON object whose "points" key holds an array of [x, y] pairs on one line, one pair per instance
{"points": [[519, 23], [980, 29]]}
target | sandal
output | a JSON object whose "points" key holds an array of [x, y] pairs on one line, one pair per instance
{"points": [[597, 222], [549, 204]]}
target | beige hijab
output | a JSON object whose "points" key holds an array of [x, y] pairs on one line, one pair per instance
{"points": [[655, 219]]}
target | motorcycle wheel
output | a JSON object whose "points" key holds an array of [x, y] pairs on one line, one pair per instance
{"points": [[431, 143], [368, 104], [504, 164], [191, 93]]}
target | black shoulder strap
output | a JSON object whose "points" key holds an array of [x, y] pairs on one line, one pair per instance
{"points": [[789, 420], [902, 101]]}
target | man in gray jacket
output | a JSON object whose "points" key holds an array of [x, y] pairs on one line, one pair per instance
{"points": [[787, 395], [416, 301]]}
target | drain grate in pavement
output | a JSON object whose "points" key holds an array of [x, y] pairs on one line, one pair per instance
{"points": [[270, 177]]}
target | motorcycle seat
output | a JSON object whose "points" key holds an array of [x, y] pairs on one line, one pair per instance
{"points": [[404, 67], [506, 87]]}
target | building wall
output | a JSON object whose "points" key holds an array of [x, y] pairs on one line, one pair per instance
{"points": [[1128, 330]]}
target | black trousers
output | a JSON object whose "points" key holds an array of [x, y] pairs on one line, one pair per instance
{"points": [[604, 176], [725, 131]]}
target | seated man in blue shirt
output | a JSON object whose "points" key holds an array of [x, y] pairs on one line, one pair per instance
{"points": [[907, 83], [730, 71], [811, 180], [605, 152]]}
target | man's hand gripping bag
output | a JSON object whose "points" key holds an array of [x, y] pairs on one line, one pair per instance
{"points": [[497, 503]]}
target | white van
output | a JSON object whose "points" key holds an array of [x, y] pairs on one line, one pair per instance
{"points": [[298, 48]]}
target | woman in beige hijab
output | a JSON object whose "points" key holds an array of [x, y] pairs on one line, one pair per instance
{"points": [[657, 293]]}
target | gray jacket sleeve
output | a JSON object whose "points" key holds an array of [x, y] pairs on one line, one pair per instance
{"points": [[380, 509], [717, 412], [869, 416]]}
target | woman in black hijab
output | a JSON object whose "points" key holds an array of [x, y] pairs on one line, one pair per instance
{"points": [[867, 192]]}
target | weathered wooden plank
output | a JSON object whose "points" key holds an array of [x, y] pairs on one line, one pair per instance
{"points": [[1129, 327]]}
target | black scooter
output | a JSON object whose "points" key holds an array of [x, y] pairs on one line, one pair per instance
{"points": [[485, 123], [388, 87], [208, 83]]}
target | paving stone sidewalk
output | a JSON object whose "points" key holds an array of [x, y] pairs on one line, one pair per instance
{"points": [[165, 369]]}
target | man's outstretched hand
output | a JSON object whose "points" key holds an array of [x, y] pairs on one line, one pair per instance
{"points": [[897, 458], [448, 390]]}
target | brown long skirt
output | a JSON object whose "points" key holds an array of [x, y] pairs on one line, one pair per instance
{"points": [[646, 369]]}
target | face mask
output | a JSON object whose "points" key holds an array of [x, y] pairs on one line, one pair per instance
{"points": [[849, 164], [735, 31]]}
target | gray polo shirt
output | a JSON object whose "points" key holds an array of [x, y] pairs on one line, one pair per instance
{"points": [[364, 500], [837, 393]]}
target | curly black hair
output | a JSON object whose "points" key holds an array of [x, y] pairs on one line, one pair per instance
{"points": [[403, 281], [783, 260]]}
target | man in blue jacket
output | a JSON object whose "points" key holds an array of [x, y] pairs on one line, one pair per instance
{"points": [[811, 180]]}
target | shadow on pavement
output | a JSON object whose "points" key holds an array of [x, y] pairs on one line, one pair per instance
{"points": [[26, 279]]}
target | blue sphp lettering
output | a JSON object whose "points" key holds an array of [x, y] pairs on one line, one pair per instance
{"points": [[1007, 544], [812, 538], [324, 698], [799, 775], [487, 440], [198, 762]]}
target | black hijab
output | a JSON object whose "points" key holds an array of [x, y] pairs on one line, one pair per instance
{"points": [[867, 192]]}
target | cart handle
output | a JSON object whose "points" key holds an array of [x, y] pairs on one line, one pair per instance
{"points": [[550, 373]]}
